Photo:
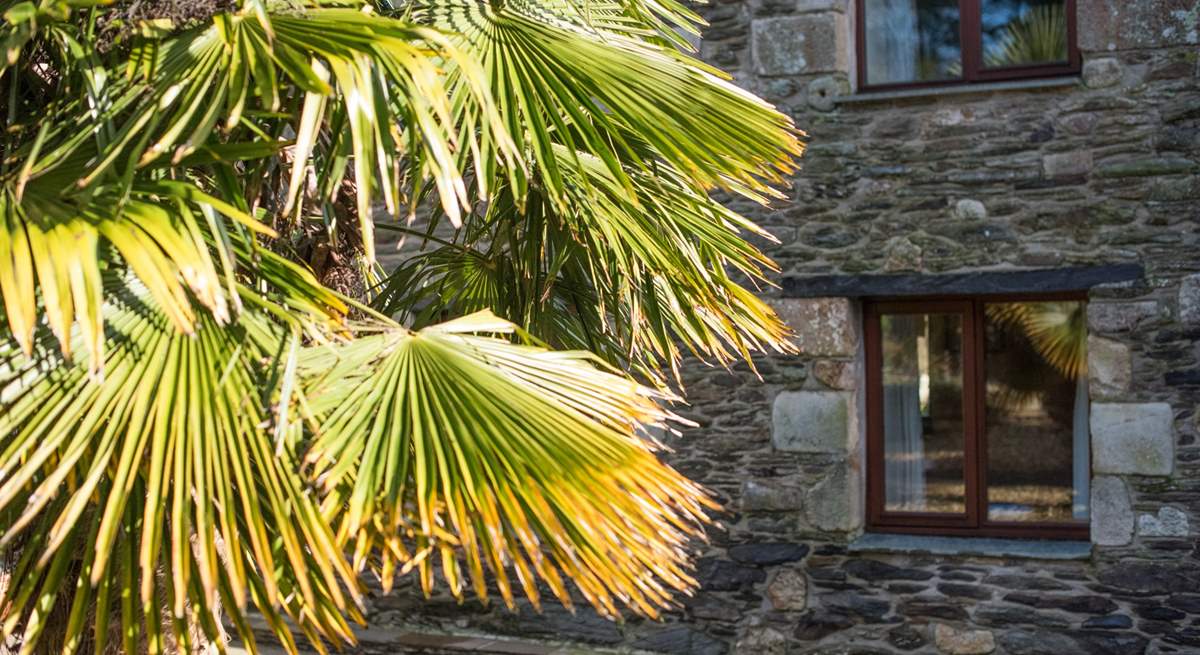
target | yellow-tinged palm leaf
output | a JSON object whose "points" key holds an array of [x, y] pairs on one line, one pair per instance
{"points": [[500, 457], [59, 244], [164, 477]]}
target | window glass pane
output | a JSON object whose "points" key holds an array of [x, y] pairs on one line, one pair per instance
{"points": [[922, 413], [1037, 411], [912, 41], [1023, 32]]}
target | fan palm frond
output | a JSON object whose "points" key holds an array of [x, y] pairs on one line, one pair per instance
{"points": [[445, 471], [561, 82]]}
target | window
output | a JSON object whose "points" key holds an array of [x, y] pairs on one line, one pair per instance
{"points": [[977, 416], [924, 42]]}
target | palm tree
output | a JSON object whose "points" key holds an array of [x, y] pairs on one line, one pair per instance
{"points": [[200, 415]]}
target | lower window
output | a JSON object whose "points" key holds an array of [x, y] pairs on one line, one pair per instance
{"points": [[977, 416]]}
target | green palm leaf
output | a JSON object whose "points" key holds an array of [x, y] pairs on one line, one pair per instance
{"points": [[630, 277], [559, 81]]}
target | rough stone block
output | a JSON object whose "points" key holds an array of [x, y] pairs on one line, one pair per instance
{"points": [[788, 590], [768, 553], [770, 497], [873, 570], [1110, 367], [805, 44], [823, 92], [724, 575], [1109, 622], [1111, 512], [1148, 167], [1107, 25], [1144, 578], [836, 374], [1102, 72], [1120, 316], [1067, 164], [952, 116], [1169, 522], [812, 422], [962, 642], [824, 327], [1189, 300], [761, 641], [1175, 189], [679, 639], [969, 209], [870, 608], [906, 638], [1133, 438], [834, 504], [902, 255]]}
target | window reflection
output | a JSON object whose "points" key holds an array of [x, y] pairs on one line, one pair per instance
{"points": [[1023, 32], [1037, 411], [912, 41], [922, 413]]}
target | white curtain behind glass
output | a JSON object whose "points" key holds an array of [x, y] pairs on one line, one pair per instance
{"points": [[892, 43], [1082, 470], [903, 442]]}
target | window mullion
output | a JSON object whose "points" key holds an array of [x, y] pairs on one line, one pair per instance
{"points": [[970, 382], [979, 389], [971, 37]]}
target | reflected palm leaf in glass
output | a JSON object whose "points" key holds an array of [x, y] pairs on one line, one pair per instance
{"points": [[1036, 381], [1020, 33]]}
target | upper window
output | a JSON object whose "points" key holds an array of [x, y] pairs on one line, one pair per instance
{"points": [[978, 417], [922, 42]]}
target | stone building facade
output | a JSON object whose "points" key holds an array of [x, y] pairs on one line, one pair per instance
{"points": [[1091, 181]]}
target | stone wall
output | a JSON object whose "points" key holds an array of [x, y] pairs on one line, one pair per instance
{"points": [[1099, 169]]}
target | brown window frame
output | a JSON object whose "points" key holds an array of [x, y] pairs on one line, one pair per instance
{"points": [[974, 522], [970, 34]]}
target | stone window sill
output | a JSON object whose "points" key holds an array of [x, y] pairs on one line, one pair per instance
{"points": [[972, 547], [957, 89]]}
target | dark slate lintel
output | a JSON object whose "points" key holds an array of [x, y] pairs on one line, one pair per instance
{"points": [[973, 283]]}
